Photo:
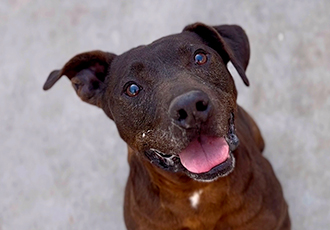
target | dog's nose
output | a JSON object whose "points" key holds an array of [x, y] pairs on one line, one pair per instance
{"points": [[190, 109]]}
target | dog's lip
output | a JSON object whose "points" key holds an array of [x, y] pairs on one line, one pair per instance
{"points": [[161, 154]]}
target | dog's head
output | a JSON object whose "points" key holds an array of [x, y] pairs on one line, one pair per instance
{"points": [[174, 100]]}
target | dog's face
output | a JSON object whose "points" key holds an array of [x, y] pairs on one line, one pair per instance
{"points": [[173, 101]]}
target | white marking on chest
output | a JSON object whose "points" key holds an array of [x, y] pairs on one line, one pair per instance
{"points": [[194, 199]]}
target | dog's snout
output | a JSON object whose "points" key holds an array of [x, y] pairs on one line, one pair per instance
{"points": [[190, 109]]}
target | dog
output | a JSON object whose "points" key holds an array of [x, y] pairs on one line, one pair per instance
{"points": [[195, 156]]}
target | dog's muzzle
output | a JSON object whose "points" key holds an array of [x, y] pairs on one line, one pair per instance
{"points": [[206, 158]]}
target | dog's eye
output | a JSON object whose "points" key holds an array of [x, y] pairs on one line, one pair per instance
{"points": [[200, 58], [132, 89]]}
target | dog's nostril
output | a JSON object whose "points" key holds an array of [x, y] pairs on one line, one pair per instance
{"points": [[201, 106], [182, 114]]}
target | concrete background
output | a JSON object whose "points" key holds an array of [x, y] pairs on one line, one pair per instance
{"points": [[62, 164]]}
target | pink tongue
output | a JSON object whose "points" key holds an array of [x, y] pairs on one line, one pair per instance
{"points": [[204, 154]]}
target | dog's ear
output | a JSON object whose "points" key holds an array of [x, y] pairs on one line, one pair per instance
{"points": [[87, 72], [230, 41]]}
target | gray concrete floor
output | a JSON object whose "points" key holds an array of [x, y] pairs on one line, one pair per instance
{"points": [[62, 164]]}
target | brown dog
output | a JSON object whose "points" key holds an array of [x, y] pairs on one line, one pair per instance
{"points": [[194, 154]]}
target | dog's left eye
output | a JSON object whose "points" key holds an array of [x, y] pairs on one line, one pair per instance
{"points": [[132, 89], [200, 58]]}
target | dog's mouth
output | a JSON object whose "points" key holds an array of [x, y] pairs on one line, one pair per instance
{"points": [[206, 158]]}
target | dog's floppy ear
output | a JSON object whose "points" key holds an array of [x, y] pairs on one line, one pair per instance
{"points": [[230, 41], [87, 72]]}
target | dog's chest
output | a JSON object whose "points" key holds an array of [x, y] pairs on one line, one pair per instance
{"points": [[193, 210]]}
